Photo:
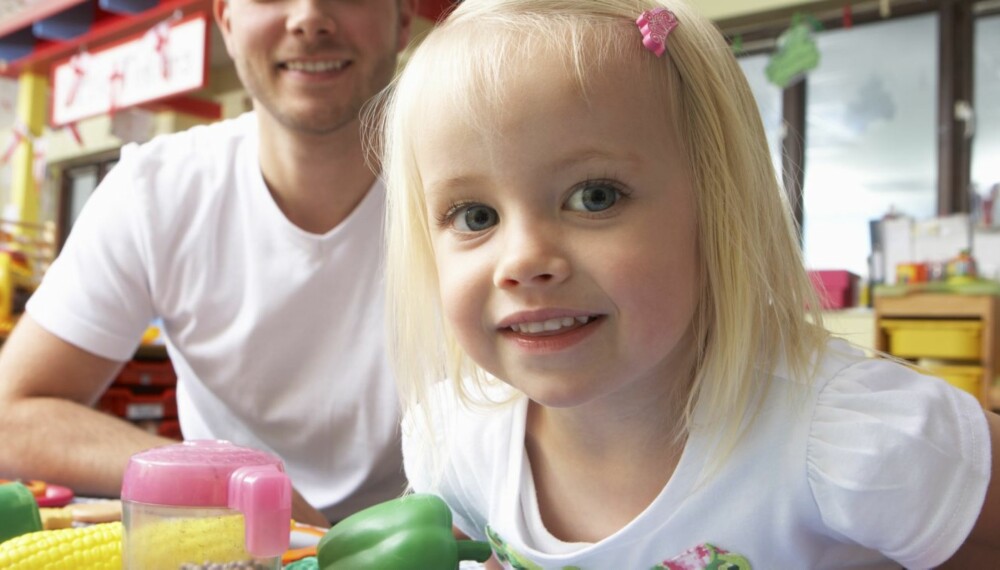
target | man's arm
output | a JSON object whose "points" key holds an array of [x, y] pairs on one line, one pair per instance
{"points": [[982, 548], [48, 430]]}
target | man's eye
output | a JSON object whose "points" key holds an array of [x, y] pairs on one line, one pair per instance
{"points": [[475, 218], [594, 197]]}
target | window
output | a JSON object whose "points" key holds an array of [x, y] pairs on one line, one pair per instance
{"points": [[871, 138], [768, 98], [986, 141], [78, 183]]}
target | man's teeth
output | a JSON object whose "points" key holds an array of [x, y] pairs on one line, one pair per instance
{"points": [[549, 325], [314, 66]]}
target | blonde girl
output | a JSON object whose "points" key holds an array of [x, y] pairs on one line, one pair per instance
{"points": [[601, 316]]}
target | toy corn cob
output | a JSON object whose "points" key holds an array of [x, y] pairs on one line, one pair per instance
{"points": [[168, 545], [96, 547]]}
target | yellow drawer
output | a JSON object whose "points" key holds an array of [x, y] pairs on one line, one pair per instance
{"points": [[912, 338], [968, 378]]}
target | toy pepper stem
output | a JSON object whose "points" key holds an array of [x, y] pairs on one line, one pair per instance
{"points": [[474, 550]]}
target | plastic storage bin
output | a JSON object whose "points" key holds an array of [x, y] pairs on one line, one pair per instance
{"points": [[837, 289], [968, 378], [949, 339], [134, 406], [147, 373]]}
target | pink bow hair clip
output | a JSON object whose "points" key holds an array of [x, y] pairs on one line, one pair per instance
{"points": [[656, 25]]}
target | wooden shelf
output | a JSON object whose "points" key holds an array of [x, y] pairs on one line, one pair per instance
{"points": [[982, 308]]}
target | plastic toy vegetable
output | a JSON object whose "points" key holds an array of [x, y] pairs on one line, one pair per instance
{"points": [[402, 534], [96, 547], [18, 511], [307, 563]]}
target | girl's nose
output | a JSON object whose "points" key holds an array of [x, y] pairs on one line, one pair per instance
{"points": [[309, 20], [531, 260]]}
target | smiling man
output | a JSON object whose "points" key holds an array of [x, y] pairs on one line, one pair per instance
{"points": [[257, 243]]}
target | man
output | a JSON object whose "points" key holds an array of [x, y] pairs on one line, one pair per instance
{"points": [[257, 242]]}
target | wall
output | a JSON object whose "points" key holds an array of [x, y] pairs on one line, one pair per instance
{"points": [[722, 9]]}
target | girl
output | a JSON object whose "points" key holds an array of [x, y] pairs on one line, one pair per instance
{"points": [[587, 239]]}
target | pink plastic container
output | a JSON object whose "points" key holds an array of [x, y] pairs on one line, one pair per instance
{"points": [[203, 503]]}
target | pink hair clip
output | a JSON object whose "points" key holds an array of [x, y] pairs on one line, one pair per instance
{"points": [[656, 25]]}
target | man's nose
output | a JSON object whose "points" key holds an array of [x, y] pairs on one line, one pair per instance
{"points": [[310, 19]]}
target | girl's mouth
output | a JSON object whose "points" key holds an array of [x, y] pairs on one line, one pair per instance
{"points": [[551, 326]]}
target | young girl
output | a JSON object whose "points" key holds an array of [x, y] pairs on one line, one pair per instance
{"points": [[587, 240]]}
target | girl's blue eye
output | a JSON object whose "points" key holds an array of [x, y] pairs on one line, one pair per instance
{"points": [[475, 218], [594, 197]]}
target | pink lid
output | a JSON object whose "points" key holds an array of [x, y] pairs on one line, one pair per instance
{"points": [[191, 474]]}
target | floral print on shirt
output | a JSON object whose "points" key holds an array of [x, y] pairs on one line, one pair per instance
{"points": [[702, 557], [705, 557]]}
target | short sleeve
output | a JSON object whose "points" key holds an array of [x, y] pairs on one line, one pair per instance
{"points": [[96, 293], [898, 462]]}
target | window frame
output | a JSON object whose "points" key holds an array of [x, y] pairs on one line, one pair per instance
{"points": [[758, 33], [102, 164]]}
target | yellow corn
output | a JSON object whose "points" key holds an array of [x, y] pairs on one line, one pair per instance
{"points": [[165, 544], [96, 547]]}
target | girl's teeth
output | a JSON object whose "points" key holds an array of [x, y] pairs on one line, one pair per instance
{"points": [[549, 325]]}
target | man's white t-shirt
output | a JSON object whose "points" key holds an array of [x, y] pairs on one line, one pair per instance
{"points": [[276, 334], [875, 467]]}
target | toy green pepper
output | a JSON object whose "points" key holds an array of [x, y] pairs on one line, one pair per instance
{"points": [[18, 511], [413, 531]]}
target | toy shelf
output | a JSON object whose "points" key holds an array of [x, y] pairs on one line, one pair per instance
{"points": [[958, 332]]}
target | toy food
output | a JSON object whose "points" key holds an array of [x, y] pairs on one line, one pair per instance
{"points": [[307, 563], [95, 547], [54, 518], [96, 512], [37, 488], [18, 512], [46, 495], [402, 534]]}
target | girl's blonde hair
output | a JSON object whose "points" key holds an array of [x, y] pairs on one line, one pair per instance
{"points": [[755, 294]]}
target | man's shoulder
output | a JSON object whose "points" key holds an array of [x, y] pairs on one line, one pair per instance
{"points": [[208, 142]]}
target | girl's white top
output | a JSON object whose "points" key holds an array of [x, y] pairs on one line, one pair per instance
{"points": [[876, 464]]}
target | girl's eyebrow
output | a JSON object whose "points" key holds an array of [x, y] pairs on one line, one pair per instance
{"points": [[453, 184], [565, 161], [592, 154]]}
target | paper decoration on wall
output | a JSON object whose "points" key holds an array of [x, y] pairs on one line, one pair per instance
{"points": [[8, 101], [21, 134], [737, 45], [133, 125], [168, 60], [871, 104], [797, 53], [159, 38], [18, 133], [78, 65]]}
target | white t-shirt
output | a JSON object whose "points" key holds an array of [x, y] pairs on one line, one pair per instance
{"points": [[276, 334], [878, 467]]}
